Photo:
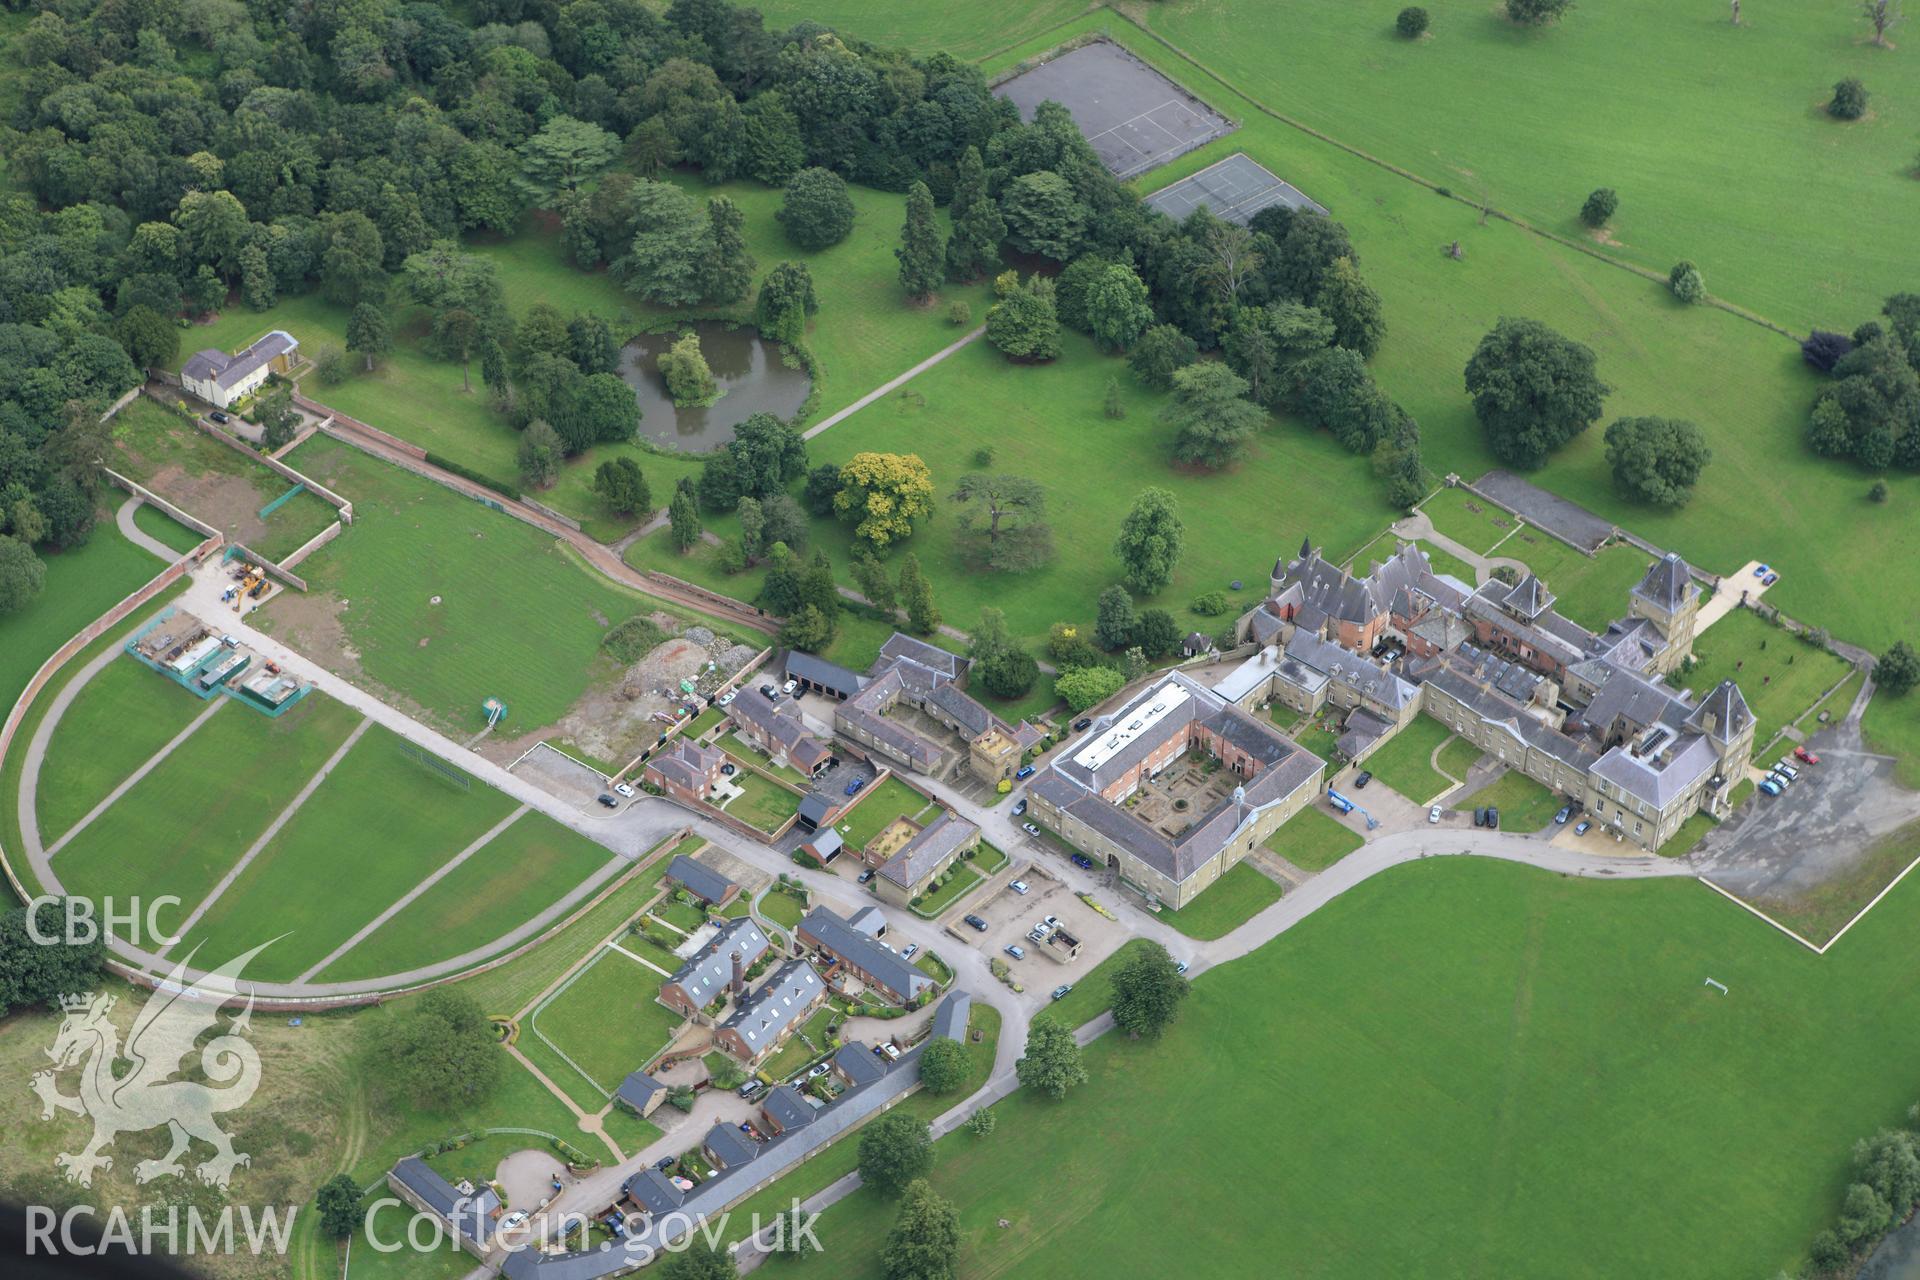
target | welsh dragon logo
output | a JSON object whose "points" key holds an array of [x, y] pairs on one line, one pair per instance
{"points": [[144, 1097]]}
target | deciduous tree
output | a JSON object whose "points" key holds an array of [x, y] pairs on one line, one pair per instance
{"points": [[894, 1150], [1004, 518], [1151, 539], [1052, 1063], [924, 1242], [442, 1055], [1147, 991], [1657, 460], [1898, 669], [816, 210], [883, 494], [943, 1066], [1533, 390], [562, 155], [1212, 419]]}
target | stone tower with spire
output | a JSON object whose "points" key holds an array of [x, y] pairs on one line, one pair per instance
{"points": [[1667, 598]]}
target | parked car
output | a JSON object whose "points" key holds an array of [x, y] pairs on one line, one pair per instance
{"points": [[1581, 827], [1051, 922], [1760, 571], [913, 949], [888, 1050], [1181, 967], [853, 788], [624, 788], [665, 1163], [817, 1070], [1083, 724], [750, 1088], [1805, 756], [1362, 779], [1770, 579], [1433, 814], [1015, 950], [1030, 829], [1769, 787], [866, 875], [770, 692], [1037, 934], [1480, 817], [513, 1221], [1024, 771], [979, 925], [789, 687], [1560, 818], [1493, 818], [1020, 887], [219, 417], [1060, 992], [727, 769], [1782, 766], [1019, 806], [1082, 861], [725, 699], [608, 801]]}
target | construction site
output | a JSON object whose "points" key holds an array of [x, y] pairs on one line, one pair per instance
{"points": [[196, 656]]}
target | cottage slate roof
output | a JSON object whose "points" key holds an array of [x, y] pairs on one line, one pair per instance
{"points": [[654, 1191], [470, 1215], [814, 809], [950, 1016], [702, 881], [226, 371], [869, 920], [972, 718], [931, 656], [826, 844], [766, 1015], [878, 1090], [1668, 583], [851, 944], [858, 1063], [1723, 714], [818, 671], [787, 1108], [638, 1089], [780, 723], [729, 1147], [707, 972], [934, 843]]}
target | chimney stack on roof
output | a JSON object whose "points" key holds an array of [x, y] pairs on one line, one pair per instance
{"points": [[739, 975]]}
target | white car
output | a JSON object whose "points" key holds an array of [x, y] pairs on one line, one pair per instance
{"points": [[789, 687], [1433, 814], [1030, 829], [1020, 887], [725, 699], [1051, 922], [513, 1221], [913, 949], [624, 788]]}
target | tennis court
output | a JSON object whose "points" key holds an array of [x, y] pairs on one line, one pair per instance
{"points": [[1135, 117], [1235, 189]]}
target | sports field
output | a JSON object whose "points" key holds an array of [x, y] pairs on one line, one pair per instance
{"points": [[512, 879], [420, 580], [116, 723], [183, 825], [1468, 1026]]}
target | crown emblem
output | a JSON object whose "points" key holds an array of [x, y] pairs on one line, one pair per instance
{"points": [[77, 1002]]}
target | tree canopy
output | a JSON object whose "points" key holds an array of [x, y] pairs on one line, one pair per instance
{"points": [[1151, 539], [1147, 991], [1052, 1063], [1533, 390], [882, 494], [1657, 460], [894, 1150]]}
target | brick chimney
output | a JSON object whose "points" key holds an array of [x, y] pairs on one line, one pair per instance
{"points": [[739, 975]]}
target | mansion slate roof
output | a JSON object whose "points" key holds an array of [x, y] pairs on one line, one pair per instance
{"points": [[933, 844], [1668, 583], [226, 371]]}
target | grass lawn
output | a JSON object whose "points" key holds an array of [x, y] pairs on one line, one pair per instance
{"points": [[1892, 724], [1517, 995], [158, 524], [806, 1044], [971, 31], [961, 880], [1524, 804], [1092, 995], [1317, 737], [782, 907], [1226, 904], [1458, 757], [513, 878], [184, 824], [1471, 521], [763, 805], [1405, 761], [1779, 675], [536, 647], [1591, 590], [81, 584], [1820, 913], [1442, 561], [987, 858], [1046, 422], [649, 950], [705, 721], [681, 916], [113, 726], [877, 809], [1312, 841], [321, 880], [750, 754], [628, 1131], [607, 1021], [843, 1156], [1691, 833]]}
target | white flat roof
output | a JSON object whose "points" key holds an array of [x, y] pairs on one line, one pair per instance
{"points": [[1246, 677], [1132, 723]]}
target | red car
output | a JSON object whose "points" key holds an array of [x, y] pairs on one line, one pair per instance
{"points": [[1805, 756]]}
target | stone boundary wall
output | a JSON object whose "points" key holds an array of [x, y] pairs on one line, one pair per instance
{"points": [[330, 415], [313, 544], [274, 567], [281, 469], [556, 516], [159, 503]]}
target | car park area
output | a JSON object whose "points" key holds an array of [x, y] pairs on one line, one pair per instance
{"points": [[1011, 920]]}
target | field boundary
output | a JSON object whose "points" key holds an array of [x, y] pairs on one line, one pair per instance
{"points": [[1819, 949], [1488, 210]]}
